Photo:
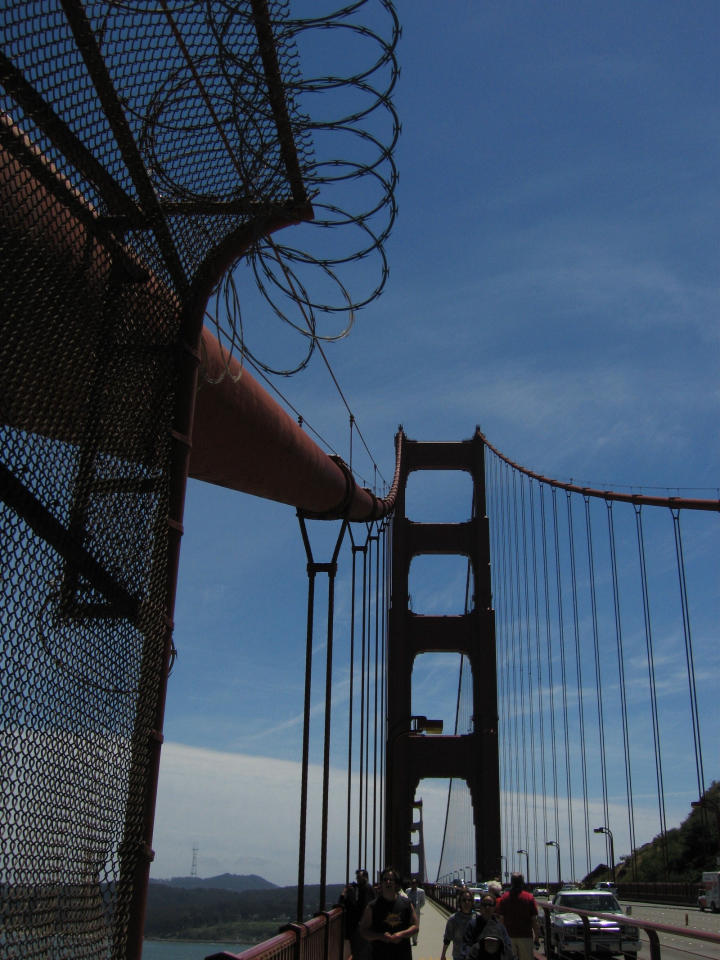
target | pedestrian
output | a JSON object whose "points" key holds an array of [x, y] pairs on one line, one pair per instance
{"points": [[417, 898], [495, 888], [490, 945], [486, 923], [355, 898], [390, 922], [518, 911], [457, 925]]}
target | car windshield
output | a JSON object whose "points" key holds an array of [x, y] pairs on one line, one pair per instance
{"points": [[602, 902]]}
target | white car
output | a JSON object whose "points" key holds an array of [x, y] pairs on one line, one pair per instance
{"points": [[607, 885], [478, 893], [608, 938]]}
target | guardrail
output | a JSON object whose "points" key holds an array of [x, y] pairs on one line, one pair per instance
{"points": [[321, 938], [670, 892], [446, 896], [650, 928]]}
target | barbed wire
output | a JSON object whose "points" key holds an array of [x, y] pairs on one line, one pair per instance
{"points": [[286, 275], [213, 102]]}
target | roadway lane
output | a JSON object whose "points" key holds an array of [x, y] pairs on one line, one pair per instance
{"points": [[678, 947], [674, 947]]}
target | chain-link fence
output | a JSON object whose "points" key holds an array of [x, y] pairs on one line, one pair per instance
{"points": [[139, 144]]}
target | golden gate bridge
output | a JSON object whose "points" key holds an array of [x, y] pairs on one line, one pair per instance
{"points": [[132, 190]]}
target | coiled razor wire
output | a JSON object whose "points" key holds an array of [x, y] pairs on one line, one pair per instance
{"points": [[299, 281]]}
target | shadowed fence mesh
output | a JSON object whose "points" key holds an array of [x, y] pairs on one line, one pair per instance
{"points": [[143, 148]]}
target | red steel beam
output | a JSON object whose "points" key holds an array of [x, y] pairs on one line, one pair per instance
{"points": [[242, 439]]}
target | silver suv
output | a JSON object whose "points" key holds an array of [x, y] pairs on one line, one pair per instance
{"points": [[608, 937]]}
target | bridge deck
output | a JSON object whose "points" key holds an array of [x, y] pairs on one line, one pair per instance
{"points": [[430, 937]]}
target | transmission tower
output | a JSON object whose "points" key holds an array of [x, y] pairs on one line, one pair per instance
{"points": [[193, 868]]}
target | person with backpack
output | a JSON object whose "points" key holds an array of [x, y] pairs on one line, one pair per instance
{"points": [[355, 898]]}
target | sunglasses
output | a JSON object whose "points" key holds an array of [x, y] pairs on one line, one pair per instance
{"points": [[487, 903]]}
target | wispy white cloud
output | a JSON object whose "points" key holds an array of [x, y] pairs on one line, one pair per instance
{"points": [[243, 813]]}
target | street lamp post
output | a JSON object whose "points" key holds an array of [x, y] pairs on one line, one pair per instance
{"points": [[554, 843], [527, 863], [608, 832]]}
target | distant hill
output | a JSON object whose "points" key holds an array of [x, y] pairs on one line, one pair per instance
{"points": [[225, 881], [216, 912], [681, 854]]}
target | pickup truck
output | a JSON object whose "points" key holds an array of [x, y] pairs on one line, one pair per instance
{"points": [[608, 937]]}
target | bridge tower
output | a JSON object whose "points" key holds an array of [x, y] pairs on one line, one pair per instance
{"points": [[470, 756], [419, 846]]}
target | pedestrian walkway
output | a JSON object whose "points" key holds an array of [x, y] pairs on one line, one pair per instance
{"points": [[432, 928], [430, 937]]}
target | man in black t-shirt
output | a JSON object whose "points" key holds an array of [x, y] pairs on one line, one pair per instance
{"points": [[355, 899], [390, 922]]}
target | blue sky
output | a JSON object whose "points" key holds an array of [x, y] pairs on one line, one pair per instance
{"points": [[553, 278]]}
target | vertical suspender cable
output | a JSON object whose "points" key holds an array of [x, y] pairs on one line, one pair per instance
{"points": [[494, 514], [455, 731], [501, 542], [469, 604], [352, 677], [362, 837], [512, 671], [548, 638], [331, 572], [306, 735], [467, 722], [579, 676], [532, 680], [368, 840], [518, 685], [510, 684], [491, 468], [353, 579], [563, 679], [376, 539], [621, 676], [689, 652], [538, 659], [598, 673], [384, 639], [314, 568], [651, 682]]}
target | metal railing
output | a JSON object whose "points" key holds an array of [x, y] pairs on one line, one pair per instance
{"points": [[446, 896], [651, 929], [321, 938]]}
